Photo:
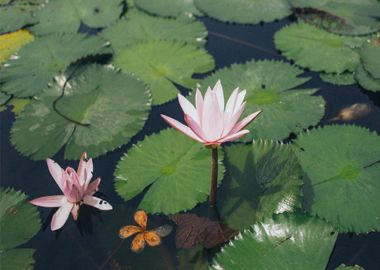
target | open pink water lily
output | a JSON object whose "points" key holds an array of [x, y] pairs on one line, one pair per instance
{"points": [[210, 122], [76, 188]]}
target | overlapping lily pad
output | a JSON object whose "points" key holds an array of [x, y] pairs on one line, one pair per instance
{"points": [[342, 163], [288, 241], [38, 62], [370, 55], [138, 27], [15, 16], [162, 63], [175, 168], [69, 14], [19, 222], [270, 87], [12, 42], [365, 80], [317, 49], [343, 17], [168, 8], [346, 78], [108, 108], [261, 179], [245, 11], [344, 267]]}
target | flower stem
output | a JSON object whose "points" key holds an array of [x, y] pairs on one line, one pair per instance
{"points": [[214, 176]]}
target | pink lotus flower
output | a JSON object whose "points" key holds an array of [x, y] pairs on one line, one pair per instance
{"points": [[76, 188], [210, 122]]}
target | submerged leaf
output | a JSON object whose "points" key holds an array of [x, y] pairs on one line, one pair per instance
{"points": [[346, 78], [103, 109], [193, 230], [317, 49], [138, 27], [288, 241], [38, 62], [261, 180], [161, 63], [270, 87], [168, 8], [175, 169], [245, 11], [12, 42], [65, 16], [343, 170]]}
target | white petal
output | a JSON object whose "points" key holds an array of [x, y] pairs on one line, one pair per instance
{"points": [[181, 127], [234, 136], [188, 108], [212, 117], [60, 217], [243, 123], [230, 107], [97, 203], [218, 89]]}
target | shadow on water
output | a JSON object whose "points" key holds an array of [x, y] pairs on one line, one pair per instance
{"points": [[77, 246]]}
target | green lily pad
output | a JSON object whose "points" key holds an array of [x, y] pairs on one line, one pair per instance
{"points": [[69, 14], [270, 87], [16, 16], [317, 49], [344, 267], [167, 161], [138, 27], [245, 11], [261, 179], [287, 241], [19, 221], [346, 78], [110, 107], [160, 63], [23, 76], [370, 55], [168, 8], [341, 163], [365, 80], [194, 258], [348, 17]]}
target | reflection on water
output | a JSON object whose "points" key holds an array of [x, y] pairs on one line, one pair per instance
{"points": [[93, 242]]}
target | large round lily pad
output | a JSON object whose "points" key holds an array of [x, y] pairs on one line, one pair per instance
{"points": [[342, 165], [38, 62], [270, 87], [109, 106], [317, 49], [19, 222], [168, 8], [288, 241], [161, 63], [261, 179], [138, 27], [175, 168], [245, 11], [68, 15]]}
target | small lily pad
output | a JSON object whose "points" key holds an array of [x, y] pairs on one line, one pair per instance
{"points": [[23, 76], [168, 8], [346, 78], [69, 14], [261, 179], [166, 162], [270, 87], [15, 16], [348, 17], [342, 165], [161, 63], [344, 267], [288, 241], [245, 11], [12, 42], [317, 49], [138, 27], [19, 221], [370, 55], [365, 80], [108, 108]]}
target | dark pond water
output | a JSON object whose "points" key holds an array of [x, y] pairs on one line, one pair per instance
{"points": [[93, 242]]}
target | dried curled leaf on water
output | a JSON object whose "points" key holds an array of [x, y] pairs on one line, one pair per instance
{"points": [[193, 230]]}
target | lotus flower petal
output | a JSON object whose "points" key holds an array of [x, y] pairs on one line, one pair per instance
{"points": [[60, 217]]}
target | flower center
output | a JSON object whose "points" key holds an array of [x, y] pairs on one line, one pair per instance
{"points": [[168, 169]]}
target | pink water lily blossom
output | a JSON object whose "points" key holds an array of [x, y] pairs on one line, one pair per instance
{"points": [[210, 122], [77, 190]]}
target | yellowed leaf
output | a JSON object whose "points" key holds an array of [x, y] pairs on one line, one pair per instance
{"points": [[12, 42]]}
